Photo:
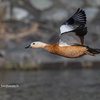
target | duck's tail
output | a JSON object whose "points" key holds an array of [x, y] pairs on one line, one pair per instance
{"points": [[92, 52]]}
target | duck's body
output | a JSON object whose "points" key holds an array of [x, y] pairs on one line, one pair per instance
{"points": [[66, 51], [71, 43]]}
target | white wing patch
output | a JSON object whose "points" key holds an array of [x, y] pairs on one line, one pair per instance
{"points": [[61, 43], [65, 28], [68, 39]]}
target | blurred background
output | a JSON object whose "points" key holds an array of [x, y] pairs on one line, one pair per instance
{"points": [[38, 74]]}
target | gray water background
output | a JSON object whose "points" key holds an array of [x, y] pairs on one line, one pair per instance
{"points": [[74, 84]]}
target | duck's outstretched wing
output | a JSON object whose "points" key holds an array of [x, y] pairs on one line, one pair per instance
{"points": [[73, 30]]}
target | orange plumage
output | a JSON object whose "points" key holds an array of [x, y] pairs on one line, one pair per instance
{"points": [[69, 51]]}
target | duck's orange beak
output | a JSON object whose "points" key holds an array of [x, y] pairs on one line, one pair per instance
{"points": [[28, 47]]}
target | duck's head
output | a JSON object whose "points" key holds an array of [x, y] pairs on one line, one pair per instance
{"points": [[36, 45]]}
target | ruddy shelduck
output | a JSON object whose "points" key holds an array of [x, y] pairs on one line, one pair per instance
{"points": [[71, 43]]}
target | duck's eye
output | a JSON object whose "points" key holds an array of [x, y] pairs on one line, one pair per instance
{"points": [[33, 43]]}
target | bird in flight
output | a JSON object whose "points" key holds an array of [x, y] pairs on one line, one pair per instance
{"points": [[71, 42]]}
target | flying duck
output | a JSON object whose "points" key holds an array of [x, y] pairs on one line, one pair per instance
{"points": [[71, 42]]}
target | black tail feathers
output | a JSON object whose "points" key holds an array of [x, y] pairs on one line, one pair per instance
{"points": [[90, 51], [93, 51]]}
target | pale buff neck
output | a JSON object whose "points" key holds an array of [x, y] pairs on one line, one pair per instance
{"points": [[43, 45]]}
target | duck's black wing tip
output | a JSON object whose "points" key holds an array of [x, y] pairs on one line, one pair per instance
{"points": [[79, 18]]}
